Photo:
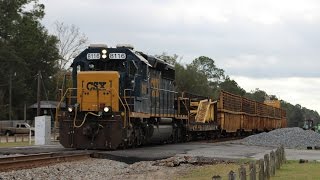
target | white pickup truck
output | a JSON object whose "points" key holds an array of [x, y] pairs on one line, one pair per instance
{"points": [[20, 128]]}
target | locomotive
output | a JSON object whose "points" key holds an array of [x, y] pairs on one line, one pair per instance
{"points": [[119, 98]]}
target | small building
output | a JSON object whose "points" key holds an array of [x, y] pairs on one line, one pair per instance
{"points": [[47, 108]]}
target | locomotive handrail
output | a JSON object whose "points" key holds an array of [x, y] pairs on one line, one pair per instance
{"points": [[62, 99], [69, 89], [163, 90], [125, 96], [188, 109], [125, 100], [125, 111]]}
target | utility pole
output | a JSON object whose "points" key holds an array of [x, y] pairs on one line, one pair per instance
{"points": [[10, 95], [25, 112], [38, 93]]}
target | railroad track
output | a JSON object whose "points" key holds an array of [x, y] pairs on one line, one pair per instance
{"points": [[36, 160], [43, 159]]}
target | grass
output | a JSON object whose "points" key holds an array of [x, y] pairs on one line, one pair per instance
{"points": [[206, 172], [295, 170], [291, 170], [15, 144]]}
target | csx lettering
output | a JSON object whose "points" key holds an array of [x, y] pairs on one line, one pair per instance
{"points": [[96, 85]]}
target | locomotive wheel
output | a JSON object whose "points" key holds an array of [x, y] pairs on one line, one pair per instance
{"points": [[139, 142], [139, 137], [129, 143]]}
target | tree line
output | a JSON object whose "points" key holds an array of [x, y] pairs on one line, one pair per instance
{"points": [[203, 77], [26, 47]]}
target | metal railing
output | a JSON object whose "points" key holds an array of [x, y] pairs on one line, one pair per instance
{"points": [[60, 102]]}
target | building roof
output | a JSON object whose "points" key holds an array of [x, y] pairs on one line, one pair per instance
{"points": [[47, 105]]}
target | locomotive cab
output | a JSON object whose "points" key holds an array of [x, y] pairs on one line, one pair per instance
{"points": [[111, 71]]}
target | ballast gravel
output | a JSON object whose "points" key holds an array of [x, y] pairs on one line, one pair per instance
{"points": [[295, 138], [98, 169]]}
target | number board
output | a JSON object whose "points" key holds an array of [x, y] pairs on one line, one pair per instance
{"points": [[117, 56], [91, 56]]}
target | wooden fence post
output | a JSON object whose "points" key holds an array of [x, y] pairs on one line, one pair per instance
{"points": [[280, 154], [261, 169], [278, 158], [15, 138], [253, 171], [272, 164], [232, 175], [242, 173], [7, 138], [283, 155], [267, 166]]}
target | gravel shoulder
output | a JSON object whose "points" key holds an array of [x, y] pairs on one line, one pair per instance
{"points": [[100, 169], [293, 138]]}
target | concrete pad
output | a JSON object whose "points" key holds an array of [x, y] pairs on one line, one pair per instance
{"points": [[294, 154], [223, 150], [230, 151], [193, 149]]}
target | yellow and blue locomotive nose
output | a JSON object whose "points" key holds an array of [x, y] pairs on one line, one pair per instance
{"points": [[98, 91]]}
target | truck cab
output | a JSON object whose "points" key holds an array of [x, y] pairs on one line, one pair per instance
{"points": [[19, 128]]}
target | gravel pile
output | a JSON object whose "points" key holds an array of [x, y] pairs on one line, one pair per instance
{"points": [[97, 169], [289, 137]]}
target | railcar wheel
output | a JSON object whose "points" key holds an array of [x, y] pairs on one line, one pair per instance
{"points": [[238, 133]]}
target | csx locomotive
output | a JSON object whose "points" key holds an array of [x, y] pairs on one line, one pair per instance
{"points": [[120, 98]]}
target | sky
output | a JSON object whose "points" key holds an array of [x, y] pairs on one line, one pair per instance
{"points": [[272, 45]]}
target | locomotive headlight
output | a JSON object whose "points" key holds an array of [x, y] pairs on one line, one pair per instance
{"points": [[106, 109], [104, 53], [70, 109]]}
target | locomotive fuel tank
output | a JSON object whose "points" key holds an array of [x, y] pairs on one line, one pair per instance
{"points": [[162, 131]]}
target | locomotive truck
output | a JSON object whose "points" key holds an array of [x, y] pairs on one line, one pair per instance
{"points": [[120, 97]]}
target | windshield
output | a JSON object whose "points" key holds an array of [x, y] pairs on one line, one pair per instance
{"points": [[110, 65]]}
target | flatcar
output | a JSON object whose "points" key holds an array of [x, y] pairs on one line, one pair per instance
{"points": [[119, 98]]}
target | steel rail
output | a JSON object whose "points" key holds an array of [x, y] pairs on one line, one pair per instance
{"points": [[36, 160]]}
